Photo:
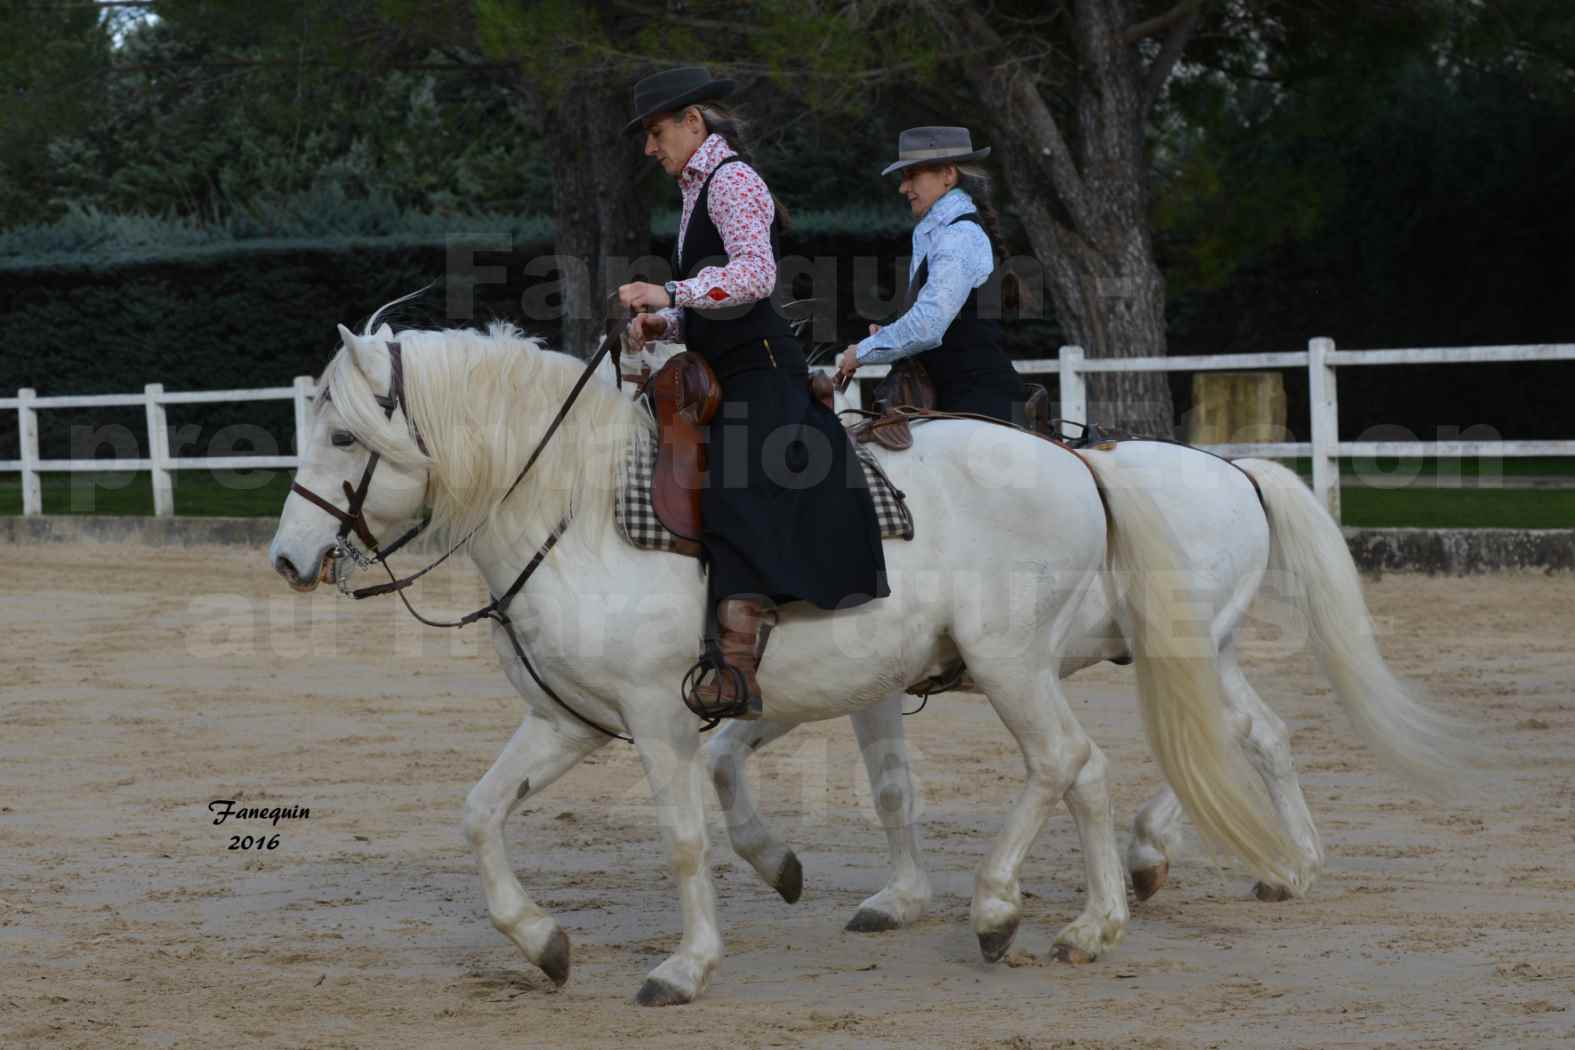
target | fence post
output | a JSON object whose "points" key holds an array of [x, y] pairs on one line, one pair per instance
{"points": [[159, 451], [303, 402], [27, 432], [1325, 412], [1074, 393]]}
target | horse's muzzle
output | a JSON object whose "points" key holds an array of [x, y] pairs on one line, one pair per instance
{"points": [[324, 574]]}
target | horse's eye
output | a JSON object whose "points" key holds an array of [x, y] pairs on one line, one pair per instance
{"points": [[342, 439]]}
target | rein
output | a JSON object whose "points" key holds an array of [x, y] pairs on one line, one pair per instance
{"points": [[354, 520]]}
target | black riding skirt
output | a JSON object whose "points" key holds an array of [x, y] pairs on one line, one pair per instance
{"points": [[993, 394], [786, 511]]}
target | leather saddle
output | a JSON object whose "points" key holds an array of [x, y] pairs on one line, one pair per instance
{"points": [[907, 393], [685, 396], [906, 387]]}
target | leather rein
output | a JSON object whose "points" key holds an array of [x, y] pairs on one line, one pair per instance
{"points": [[353, 520]]}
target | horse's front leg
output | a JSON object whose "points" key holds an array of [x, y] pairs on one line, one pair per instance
{"points": [[670, 751], [538, 754], [885, 750], [725, 754]]}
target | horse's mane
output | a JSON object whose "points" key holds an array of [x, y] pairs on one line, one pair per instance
{"points": [[481, 402]]}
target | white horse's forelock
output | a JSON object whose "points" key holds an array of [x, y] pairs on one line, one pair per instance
{"points": [[481, 402]]}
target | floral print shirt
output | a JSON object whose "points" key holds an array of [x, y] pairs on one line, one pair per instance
{"points": [[741, 207], [960, 261]]}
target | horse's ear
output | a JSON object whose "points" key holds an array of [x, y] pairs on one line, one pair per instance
{"points": [[384, 332], [367, 352]]}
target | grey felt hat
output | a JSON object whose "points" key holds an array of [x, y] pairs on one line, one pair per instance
{"points": [[673, 89], [934, 146]]}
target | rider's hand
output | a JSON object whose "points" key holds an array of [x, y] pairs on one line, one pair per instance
{"points": [[641, 295], [644, 328], [847, 364]]}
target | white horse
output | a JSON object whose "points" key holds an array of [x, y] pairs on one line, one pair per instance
{"points": [[1232, 543], [1012, 553]]}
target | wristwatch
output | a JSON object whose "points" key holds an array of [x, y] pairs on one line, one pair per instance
{"points": [[672, 293]]}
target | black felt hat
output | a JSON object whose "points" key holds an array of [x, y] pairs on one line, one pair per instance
{"points": [[673, 89]]}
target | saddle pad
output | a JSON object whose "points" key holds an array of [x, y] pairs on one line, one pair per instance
{"points": [[639, 524]]}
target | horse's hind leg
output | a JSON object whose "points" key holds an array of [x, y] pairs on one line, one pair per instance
{"points": [[1267, 745], [725, 755], [538, 754], [1061, 761], [1155, 835], [885, 751]]}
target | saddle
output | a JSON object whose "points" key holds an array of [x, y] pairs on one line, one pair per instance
{"points": [[906, 386], [685, 396], [908, 394]]}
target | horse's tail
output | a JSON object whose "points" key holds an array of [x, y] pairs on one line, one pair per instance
{"points": [[1180, 689], [1310, 555]]}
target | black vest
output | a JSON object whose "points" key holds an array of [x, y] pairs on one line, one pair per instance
{"points": [[971, 344], [712, 333]]}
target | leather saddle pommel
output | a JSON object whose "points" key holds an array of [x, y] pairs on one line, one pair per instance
{"points": [[685, 395], [906, 386]]}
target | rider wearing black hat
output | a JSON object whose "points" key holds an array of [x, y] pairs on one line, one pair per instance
{"points": [[786, 513]]}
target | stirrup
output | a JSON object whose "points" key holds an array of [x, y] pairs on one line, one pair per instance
{"points": [[711, 667], [949, 680]]}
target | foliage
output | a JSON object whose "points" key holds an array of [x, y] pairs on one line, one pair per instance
{"points": [[205, 126]]}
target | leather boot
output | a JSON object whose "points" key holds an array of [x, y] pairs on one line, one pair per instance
{"points": [[745, 625]]}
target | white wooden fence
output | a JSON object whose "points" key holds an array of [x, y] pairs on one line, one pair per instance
{"points": [[1321, 359]]}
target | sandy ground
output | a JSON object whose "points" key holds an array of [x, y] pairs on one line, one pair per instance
{"points": [[140, 685]]}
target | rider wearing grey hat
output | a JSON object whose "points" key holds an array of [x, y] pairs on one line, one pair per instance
{"points": [[954, 248]]}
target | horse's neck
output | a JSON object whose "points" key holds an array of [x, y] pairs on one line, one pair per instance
{"points": [[571, 560]]}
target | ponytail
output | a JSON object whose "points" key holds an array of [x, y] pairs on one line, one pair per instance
{"points": [[975, 182], [731, 127]]}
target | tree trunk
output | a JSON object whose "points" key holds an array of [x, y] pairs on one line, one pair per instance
{"points": [[1092, 229], [1109, 300], [602, 222]]}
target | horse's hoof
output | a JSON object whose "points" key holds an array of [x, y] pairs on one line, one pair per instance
{"points": [[868, 920], [1072, 955], [1147, 881], [790, 880], [993, 943], [657, 992], [1272, 894], [555, 958]]}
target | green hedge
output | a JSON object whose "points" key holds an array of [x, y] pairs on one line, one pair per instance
{"points": [[254, 312]]}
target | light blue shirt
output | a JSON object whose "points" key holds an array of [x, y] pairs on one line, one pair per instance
{"points": [[960, 261]]}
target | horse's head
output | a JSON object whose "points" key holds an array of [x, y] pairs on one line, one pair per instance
{"points": [[363, 472]]}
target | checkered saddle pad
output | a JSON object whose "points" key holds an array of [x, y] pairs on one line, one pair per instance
{"points": [[639, 524]]}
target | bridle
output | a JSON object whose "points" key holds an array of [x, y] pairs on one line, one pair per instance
{"points": [[353, 519]]}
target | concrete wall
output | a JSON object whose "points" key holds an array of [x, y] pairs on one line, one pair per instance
{"points": [[148, 531], [1456, 552], [1462, 552]]}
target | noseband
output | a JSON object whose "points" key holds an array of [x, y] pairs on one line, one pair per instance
{"points": [[353, 518]]}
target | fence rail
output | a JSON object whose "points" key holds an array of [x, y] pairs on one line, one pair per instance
{"points": [[1320, 359]]}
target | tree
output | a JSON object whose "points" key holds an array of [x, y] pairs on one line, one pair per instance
{"points": [[52, 60], [1071, 88], [566, 62]]}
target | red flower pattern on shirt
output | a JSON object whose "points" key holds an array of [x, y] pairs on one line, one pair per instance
{"points": [[741, 207]]}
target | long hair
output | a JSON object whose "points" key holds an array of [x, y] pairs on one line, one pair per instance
{"points": [[727, 123], [975, 182]]}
